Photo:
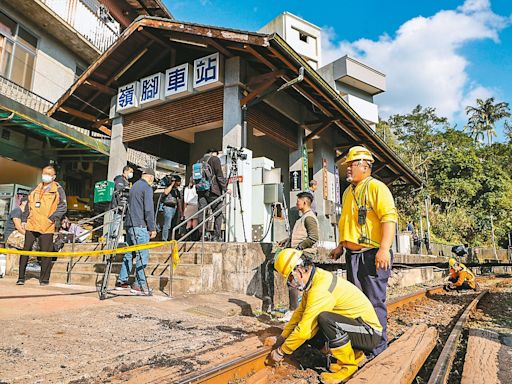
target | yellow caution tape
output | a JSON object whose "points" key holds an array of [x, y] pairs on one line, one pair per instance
{"points": [[101, 252]]}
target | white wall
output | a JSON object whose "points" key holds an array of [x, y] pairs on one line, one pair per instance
{"points": [[368, 111], [54, 66]]}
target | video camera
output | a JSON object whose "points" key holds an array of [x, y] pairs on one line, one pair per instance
{"points": [[122, 195], [236, 153], [167, 180]]}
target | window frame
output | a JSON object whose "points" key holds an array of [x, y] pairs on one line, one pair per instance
{"points": [[15, 43]]}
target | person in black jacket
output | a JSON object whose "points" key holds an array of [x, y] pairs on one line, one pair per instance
{"points": [[217, 188], [121, 182]]}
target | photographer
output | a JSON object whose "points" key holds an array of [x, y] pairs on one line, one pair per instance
{"points": [[171, 204], [121, 183], [140, 228], [213, 170]]}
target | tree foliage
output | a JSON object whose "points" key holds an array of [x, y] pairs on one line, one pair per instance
{"points": [[466, 182]]}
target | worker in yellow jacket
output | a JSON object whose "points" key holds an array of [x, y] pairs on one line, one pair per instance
{"points": [[460, 277], [333, 312]]}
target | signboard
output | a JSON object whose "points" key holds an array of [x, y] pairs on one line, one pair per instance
{"points": [[207, 72], [128, 98], [305, 168], [337, 194], [178, 81], [151, 89], [325, 179], [103, 191], [295, 181]]}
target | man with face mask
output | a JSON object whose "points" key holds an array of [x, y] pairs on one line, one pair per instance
{"points": [[140, 228], [46, 206], [366, 233], [333, 314], [121, 182]]}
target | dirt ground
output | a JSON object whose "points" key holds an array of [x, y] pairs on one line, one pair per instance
{"points": [[72, 337]]}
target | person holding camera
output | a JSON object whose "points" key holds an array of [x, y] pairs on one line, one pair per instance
{"points": [[172, 204], [46, 206], [140, 228], [121, 183], [366, 231], [212, 170]]}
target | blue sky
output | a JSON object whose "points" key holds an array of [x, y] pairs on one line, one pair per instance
{"points": [[441, 53]]}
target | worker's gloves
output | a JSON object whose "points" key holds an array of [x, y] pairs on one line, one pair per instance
{"points": [[274, 341], [277, 355]]}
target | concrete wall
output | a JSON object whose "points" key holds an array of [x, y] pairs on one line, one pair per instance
{"points": [[54, 65]]}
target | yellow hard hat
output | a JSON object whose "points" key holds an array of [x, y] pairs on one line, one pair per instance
{"points": [[452, 262], [358, 153], [286, 261]]}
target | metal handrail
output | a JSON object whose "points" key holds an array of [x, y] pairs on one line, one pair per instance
{"points": [[203, 210]]}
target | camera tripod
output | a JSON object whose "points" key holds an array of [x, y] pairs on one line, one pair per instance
{"points": [[113, 241], [234, 155]]}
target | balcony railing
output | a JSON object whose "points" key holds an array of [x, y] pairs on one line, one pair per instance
{"points": [[82, 15], [39, 104], [24, 96]]}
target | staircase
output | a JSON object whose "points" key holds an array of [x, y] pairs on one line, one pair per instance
{"points": [[197, 271]]}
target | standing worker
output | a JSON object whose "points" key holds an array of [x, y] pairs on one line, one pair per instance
{"points": [[46, 206], [304, 237], [344, 316], [366, 232], [460, 277], [210, 171], [121, 182], [140, 228]]}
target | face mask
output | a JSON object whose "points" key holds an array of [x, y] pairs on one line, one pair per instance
{"points": [[295, 283], [130, 175], [47, 179]]}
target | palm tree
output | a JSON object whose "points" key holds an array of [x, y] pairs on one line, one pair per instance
{"points": [[483, 117]]}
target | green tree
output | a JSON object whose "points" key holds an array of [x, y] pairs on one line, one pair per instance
{"points": [[483, 117]]}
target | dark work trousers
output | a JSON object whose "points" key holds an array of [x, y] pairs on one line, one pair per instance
{"points": [[293, 296], [46, 245], [338, 330], [361, 272], [206, 198]]}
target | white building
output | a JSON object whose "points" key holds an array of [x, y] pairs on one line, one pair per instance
{"points": [[356, 82]]}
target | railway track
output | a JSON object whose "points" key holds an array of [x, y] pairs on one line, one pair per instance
{"points": [[252, 365]]}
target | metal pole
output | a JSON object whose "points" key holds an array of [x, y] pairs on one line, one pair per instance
{"points": [[493, 239], [421, 232], [427, 223]]}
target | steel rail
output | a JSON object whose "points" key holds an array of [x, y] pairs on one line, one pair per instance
{"points": [[444, 362], [255, 361]]}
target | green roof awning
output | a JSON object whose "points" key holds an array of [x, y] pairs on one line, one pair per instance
{"points": [[18, 114]]}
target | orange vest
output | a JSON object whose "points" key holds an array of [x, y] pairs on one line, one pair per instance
{"points": [[42, 205]]}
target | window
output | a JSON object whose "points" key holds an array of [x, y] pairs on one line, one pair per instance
{"points": [[303, 37], [78, 71], [17, 52]]}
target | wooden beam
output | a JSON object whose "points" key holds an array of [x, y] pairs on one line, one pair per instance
{"points": [[100, 87], [257, 91], [260, 57], [79, 114], [379, 168], [219, 47], [317, 131], [264, 77], [403, 359], [105, 130], [150, 36]]}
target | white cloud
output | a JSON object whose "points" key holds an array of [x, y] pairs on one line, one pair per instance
{"points": [[422, 61]]}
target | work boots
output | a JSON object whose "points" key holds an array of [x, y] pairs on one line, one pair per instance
{"points": [[359, 358], [346, 361]]}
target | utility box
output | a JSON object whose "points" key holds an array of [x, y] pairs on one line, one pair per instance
{"points": [[103, 191], [272, 193]]}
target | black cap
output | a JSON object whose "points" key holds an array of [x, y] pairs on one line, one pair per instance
{"points": [[148, 171]]}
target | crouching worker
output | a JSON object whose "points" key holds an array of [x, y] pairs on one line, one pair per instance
{"points": [[333, 313], [460, 277]]}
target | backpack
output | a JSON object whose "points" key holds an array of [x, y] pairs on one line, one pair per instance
{"points": [[202, 174]]}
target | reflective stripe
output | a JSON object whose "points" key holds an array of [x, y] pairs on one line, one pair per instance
{"points": [[358, 329], [333, 283]]}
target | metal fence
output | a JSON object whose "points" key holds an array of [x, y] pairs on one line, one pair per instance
{"points": [[24, 96], [81, 17]]}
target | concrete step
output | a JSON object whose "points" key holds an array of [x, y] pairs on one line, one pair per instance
{"points": [[154, 257]]}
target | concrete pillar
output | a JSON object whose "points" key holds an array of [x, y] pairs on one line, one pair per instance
{"points": [[325, 194], [239, 215], [118, 151], [296, 164], [232, 128]]}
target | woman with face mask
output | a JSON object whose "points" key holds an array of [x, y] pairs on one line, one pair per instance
{"points": [[46, 206]]}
